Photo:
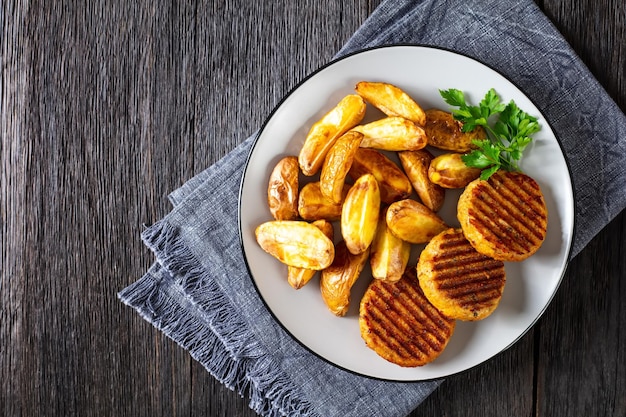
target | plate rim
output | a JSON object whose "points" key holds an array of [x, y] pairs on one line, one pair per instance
{"points": [[258, 134]]}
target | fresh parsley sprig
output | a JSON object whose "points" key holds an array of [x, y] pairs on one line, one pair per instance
{"points": [[509, 130]]}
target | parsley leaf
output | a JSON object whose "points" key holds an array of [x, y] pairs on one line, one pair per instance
{"points": [[509, 130]]}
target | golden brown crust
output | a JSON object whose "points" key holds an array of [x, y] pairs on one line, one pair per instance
{"points": [[400, 325], [462, 283], [505, 217], [444, 132]]}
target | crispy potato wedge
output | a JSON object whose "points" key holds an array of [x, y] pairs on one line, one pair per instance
{"points": [[344, 116], [389, 255], [299, 277], [312, 205], [444, 132], [337, 280], [392, 134], [360, 212], [449, 171], [282, 190], [413, 222], [391, 100], [394, 184], [296, 243], [337, 164], [415, 165]]}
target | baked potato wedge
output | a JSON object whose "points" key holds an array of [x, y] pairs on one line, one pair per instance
{"points": [[389, 255], [392, 134], [394, 184], [449, 171], [337, 164], [391, 100], [413, 222], [299, 277], [344, 116], [282, 190], [296, 243], [444, 132], [312, 205], [359, 214], [415, 165], [337, 280]]}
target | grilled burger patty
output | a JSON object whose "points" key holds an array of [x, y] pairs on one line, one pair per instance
{"points": [[505, 217], [399, 323], [462, 283]]}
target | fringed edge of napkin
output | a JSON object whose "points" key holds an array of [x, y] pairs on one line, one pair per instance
{"points": [[212, 329]]}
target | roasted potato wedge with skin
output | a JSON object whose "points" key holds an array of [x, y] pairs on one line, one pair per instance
{"points": [[394, 184], [299, 277], [391, 100], [344, 116], [392, 134], [360, 212], [337, 280], [389, 255], [413, 222], [312, 205], [449, 171], [282, 190], [296, 243], [415, 165], [337, 164], [444, 132]]}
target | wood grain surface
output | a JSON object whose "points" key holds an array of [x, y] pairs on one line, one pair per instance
{"points": [[108, 106]]}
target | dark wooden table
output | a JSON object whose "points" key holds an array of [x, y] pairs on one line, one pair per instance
{"points": [[108, 107]]}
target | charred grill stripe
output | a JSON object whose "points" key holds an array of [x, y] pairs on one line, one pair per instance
{"points": [[480, 300], [390, 334], [496, 231], [430, 318], [518, 187], [404, 317], [476, 281], [471, 260], [421, 304], [510, 219], [521, 211], [483, 292]]}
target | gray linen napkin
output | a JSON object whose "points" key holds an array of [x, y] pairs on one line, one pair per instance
{"points": [[200, 295]]}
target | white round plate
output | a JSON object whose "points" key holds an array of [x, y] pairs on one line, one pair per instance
{"points": [[421, 72]]}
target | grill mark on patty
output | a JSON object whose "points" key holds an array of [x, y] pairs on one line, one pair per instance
{"points": [[521, 209], [492, 231], [403, 321]]}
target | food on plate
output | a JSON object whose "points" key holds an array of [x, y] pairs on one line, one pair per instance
{"points": [[392, 134], [413, 222], [296, 243], [449, 171], [282, 190], [445, 132], [299, 277], [337, 164], [504, 217], [394, 184], [407, 314], [460, 282], [415, 165], [509, 130], [359, 214], [398, 322], [323, 134], [337, 280], [391, 100], [312, 205], [389, 255]]}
